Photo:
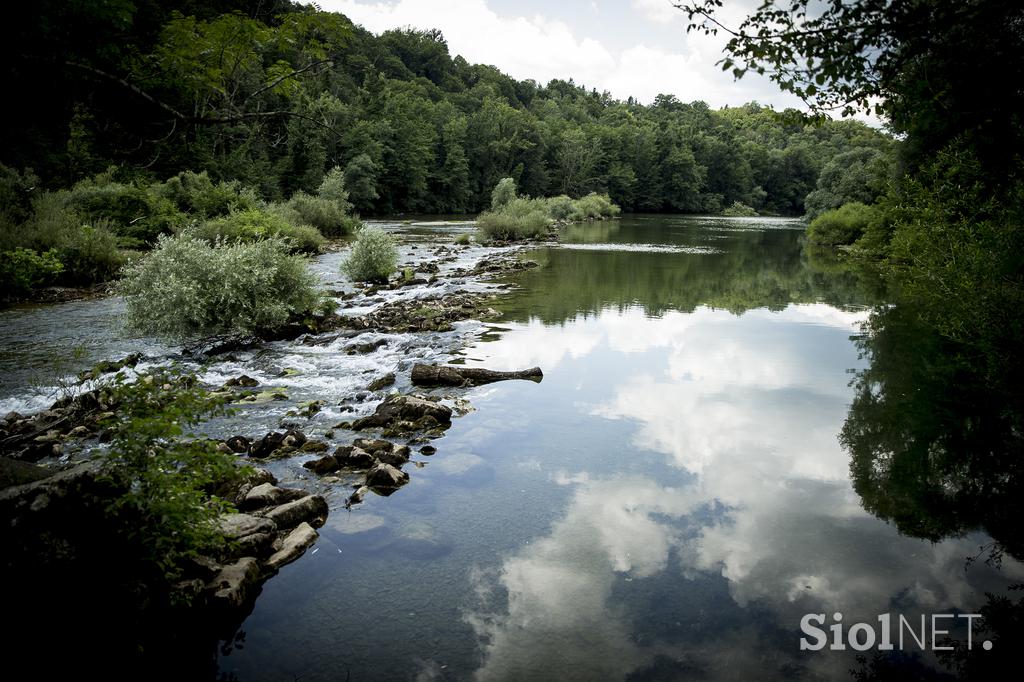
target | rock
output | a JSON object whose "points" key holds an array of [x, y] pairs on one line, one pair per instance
{"points": [[293, 546], [257, 544], [446, 375], [268, 494], [237, 526], [363, 348], [245, 381], [238, 444], [235, 584], [386, 476], [428, 450], [223, 447], [404, 408], [266, 446], [314, 446], [217, 345], [294, 439], [324, 465], [381, 383], [357, 496], [352, 457], [312, 509], [372, 445], [79, 432]]}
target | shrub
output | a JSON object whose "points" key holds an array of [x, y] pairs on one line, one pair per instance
{"points": [[324, 214], [503, 193], [739, 210], [187, 286], [462, 240], [505, 226], [21, 270], [374, 256], [333, 189], [197, 193], [594, 206], [841, 226], [133, 213], [561, 207], [90, 254], [255, 224], [16, 191]]}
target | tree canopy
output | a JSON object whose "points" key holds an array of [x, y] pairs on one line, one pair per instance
{"points": [[274, 94]]}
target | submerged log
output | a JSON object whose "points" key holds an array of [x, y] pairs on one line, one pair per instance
{"points": [[447, 375]]}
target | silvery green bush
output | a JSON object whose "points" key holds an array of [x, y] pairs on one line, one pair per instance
{"points": [[374, 256], [187, 286]]}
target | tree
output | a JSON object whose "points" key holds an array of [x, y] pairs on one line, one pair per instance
{"points": [[925, 65]]}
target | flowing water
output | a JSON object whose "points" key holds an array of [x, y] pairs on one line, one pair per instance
{"points": [[666, 504]]}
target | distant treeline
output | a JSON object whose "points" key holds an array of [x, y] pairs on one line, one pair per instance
{"points": [[274, 95]]}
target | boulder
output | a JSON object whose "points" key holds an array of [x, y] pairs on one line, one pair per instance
{"points": [[267, 494], [311, 509], [351, 457], [237, 526], [236, 584], [238, 444], [381, 383], [245, 381], [386, 476], [407, 408], [266, 446], [324, 465], [293, 546]]}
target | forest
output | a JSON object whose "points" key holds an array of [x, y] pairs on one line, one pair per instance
{"points": [[275, 94]]}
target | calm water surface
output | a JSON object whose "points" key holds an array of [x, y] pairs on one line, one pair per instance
{"points": [[666, 504]]}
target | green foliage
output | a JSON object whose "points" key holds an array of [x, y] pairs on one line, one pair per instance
{"points": [[187, 286], [130, 210], [739, 210], [594, 207], [166, 514], [254, 225], [333, 189], [196, 193], [957, 252], [857, 175], [326, 215], [361, 181], [374, 256], [842, 226], [90, 254], [509, 226], [22, 270], [463, 239], [503, 193], [561, 207], [16, 191]]}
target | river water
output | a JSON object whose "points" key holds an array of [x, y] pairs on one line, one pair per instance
{"points": [[666, 504]]}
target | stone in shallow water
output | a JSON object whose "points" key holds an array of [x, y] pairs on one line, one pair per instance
{"points": [[293, 546], [311, 509], [236, 583], [236, 526]]}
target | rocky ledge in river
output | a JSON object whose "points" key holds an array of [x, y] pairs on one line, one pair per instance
{"points": [[431, 313], [59, 520]]}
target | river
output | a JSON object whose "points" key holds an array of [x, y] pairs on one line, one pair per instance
{"points": [[667, 503]]}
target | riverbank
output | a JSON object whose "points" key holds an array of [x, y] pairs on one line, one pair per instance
{"points": [[443, 289]]}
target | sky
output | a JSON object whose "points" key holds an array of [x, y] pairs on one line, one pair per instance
{"points": [[636, 48]]}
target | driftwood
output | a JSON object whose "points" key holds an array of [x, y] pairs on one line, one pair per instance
{"points": [[446, 375]]}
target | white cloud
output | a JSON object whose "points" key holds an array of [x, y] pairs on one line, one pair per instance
{"points": [[541, 48], [658, 11]]}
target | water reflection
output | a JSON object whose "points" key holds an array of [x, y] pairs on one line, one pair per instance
{"points": [[760, 264], [666, 505], [935, 447], [758, 526]]}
